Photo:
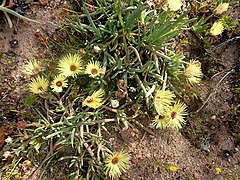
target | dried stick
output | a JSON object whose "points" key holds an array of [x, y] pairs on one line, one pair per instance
{"points": [[214, 90]]}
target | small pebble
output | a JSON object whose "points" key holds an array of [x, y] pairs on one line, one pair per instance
{"points": [[212, 127], [43, 2], [213, 117], [13, 43]]}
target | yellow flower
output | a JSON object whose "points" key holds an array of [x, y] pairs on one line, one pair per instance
{"points": [[193, 72], [172, 168], [173, 118], [161, 121], [174, 5], [38, 85], [221, 8], [217, 28], [116, 164], [218, 170], [58, 83], [163, 100], [95, 100], [33, 67], [94, 69], [176, 114], [70, 65]]}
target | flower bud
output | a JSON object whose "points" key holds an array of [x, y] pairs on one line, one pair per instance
{"points": [[6, 154], [96, 49], [9, 140], [114, 103]]}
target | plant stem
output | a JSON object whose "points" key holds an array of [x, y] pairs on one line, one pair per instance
{"points": [[7, 10]]}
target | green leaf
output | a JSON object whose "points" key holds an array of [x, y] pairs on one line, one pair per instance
{"points": [[44, 119], [36, 144], [29, 101], [94, 29], [119, 12], [72, 136], [78, 148], [68, 157], [58, 132], [166, 32], [135, 14]]}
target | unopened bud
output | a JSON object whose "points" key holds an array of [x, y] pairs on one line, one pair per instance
{"points": [[114, 103], [97, 49], [6, 154], [9, 140]]}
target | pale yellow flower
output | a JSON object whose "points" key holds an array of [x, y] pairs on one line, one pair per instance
{"points": [[217, 28], [33, 67], [116, 164], [176, 114], [174, 5], [70, 65], [161, 121], [94, 69], [38, 85], [172, 168], [163, 100], [58, 83], [95, 100], [193, 72], [221, 8], [173, 117], [218, 170]]}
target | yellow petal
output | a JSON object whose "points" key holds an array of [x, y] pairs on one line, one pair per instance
{"points": [[95, 100], [217, 28], [174, 5], [221, 8]]}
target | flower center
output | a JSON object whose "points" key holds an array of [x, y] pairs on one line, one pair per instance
{"points": [[94, 71], [157, 97], [35, 70], [59, 83], [190, 73], [73, 68], [115, 160], [173, 114], [40, 88], [89, 99]]}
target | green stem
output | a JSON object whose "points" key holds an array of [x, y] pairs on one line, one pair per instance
{"points": [[3, 3], [137, 54], [7, 10], [14, 167], [8, 20]]}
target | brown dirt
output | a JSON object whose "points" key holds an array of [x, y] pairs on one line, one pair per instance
{"points": [[14, 57], [196, 157]]}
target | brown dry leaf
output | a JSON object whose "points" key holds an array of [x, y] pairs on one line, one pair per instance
{"points": [[122, 89], [7, 130], [43, 2], [4, 131], [2, 136], [21, 124]]}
